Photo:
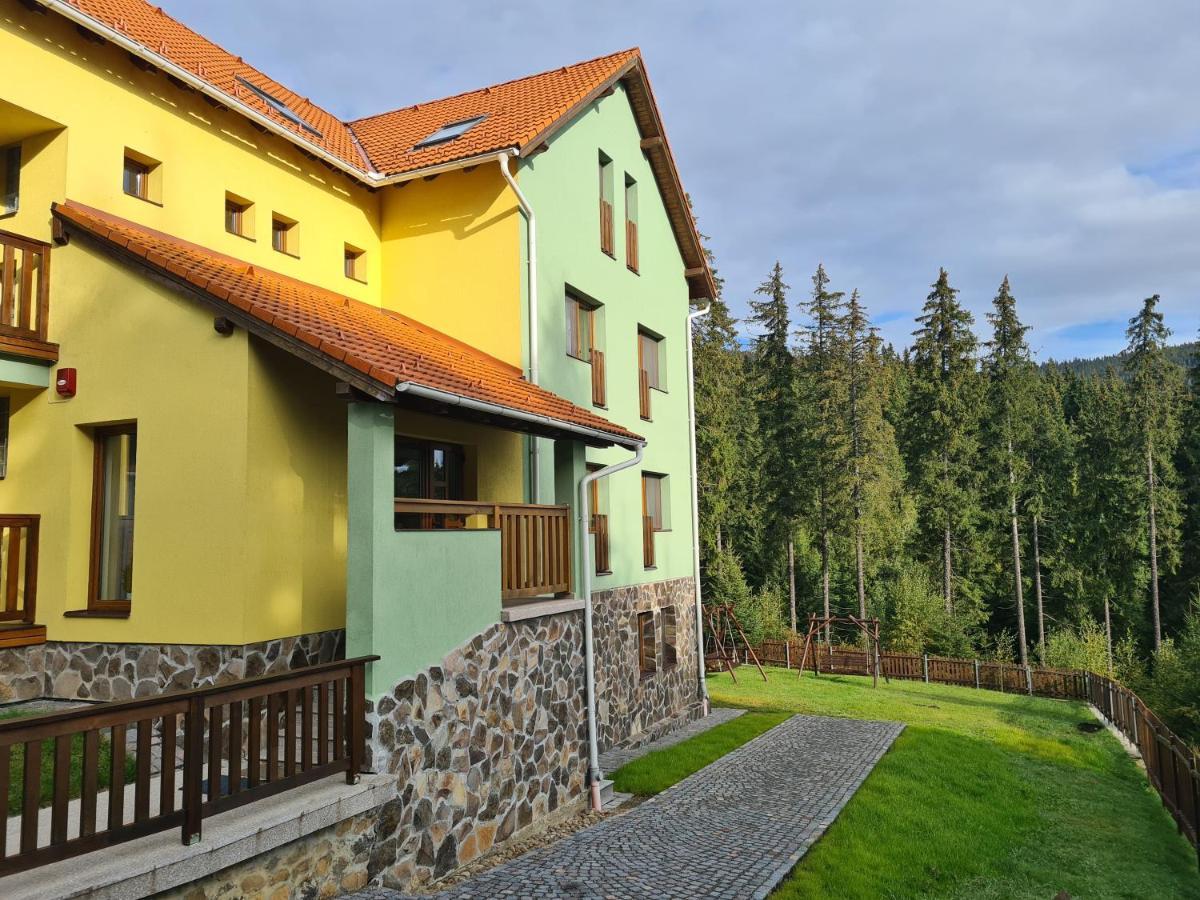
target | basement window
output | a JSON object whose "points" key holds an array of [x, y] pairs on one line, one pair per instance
{"points": [[278, 106], [647, 661], [449, 132], [10, 179]]}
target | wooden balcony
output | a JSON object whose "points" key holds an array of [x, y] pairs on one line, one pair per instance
{"points": [[599, 527], [648, 542], [18, 581], [25, 297], [631, 245], [607, 244], [535, 540], [599, 379]]}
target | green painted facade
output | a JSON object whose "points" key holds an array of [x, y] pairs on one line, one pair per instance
{"points": [[562, 187], [15, 372]]}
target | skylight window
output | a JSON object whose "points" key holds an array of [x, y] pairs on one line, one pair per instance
{"points": [[279, 106], [449, 132]]}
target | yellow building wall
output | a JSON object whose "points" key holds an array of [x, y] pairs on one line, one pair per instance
{"points": [[107, 105], [452, 257]]}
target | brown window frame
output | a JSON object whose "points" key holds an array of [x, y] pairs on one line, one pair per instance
{"points": [[607, 229], [235, 217], [354, 263], [584, 316], [670, 638], [282, 225], [455, 486], [632, 258], [647, 655], [97, 604]]}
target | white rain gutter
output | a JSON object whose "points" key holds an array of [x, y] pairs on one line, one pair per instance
{"points": [[585, 555], [692, 317], [449, 399], [535, 450]]}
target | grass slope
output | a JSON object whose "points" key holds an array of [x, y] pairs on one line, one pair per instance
{"points": [[984, 795]]}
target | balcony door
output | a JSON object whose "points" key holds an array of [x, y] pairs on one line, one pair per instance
{"points": [[428, 470]]}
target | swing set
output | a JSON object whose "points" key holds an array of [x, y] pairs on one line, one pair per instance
{"points": [[817, 624], [721, 641]]}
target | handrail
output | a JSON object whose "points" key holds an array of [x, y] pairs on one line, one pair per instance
{"points": [[24, 299], [312, 722]]}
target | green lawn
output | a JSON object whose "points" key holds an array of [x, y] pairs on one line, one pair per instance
{"points": [[984, 795]]}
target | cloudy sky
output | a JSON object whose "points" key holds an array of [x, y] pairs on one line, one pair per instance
{"points": [[1057, 142]]}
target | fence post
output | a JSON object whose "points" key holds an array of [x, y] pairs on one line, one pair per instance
{"points": [[787, 653], [925, 667], [355, 733], [1029, 680], [976, 673], [193, 770]]}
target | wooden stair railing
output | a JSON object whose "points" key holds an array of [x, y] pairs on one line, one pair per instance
{"points": [[24, 288], [297, 727], [607, 243], [599, 379]]}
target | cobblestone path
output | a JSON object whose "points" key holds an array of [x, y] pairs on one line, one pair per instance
{"points": [[732, 830]]}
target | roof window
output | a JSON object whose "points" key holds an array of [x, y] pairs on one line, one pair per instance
{"points": [[279, 106], [449, 132]]}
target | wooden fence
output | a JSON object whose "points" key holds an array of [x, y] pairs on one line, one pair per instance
{"points": [[1172, 766], [187, 755]]}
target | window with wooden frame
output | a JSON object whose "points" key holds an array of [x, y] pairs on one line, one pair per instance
{"points": [[114, 479], [4, 413], [141, 177], [239, 216], [670, 647], [429, 470], [285, 235], [650, 374], [598, 521], [631, 225], [647, 658], [607, 244], [654, 514], [10, 179], [354, 263], [581, 321]]}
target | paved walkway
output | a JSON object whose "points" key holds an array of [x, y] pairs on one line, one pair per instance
{"points": [[732, 830], [612, 760]]}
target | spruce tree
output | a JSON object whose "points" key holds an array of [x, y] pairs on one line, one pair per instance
{"points": [[1008, 428]]}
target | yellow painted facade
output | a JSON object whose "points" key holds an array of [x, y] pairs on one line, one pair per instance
{"points": [[240, 531]]}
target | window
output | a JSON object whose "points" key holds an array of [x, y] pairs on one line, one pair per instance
{"points": [[598, 521], [670, 652], [606, 205], [10, 179], [425, 470], [141, 177], [646, 655], [285, 235], [650, 373], [113, 482], [581, 320], [354, 263], [631, 229], [4, 413], [278, 106], [449, 132], [239, 216], [654, 514]]}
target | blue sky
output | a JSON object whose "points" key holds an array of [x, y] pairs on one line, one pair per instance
{"points": [[1058, 143]]}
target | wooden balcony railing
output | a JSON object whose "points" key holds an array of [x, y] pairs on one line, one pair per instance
{"points": [[535, 541], [631, 245], [238, 743], [599, 379], [24, 288], [600, 530], [606, 228], [18, 572], [644, 394], [647, 542]]}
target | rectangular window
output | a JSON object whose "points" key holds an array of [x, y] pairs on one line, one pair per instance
{"points": [[4, 413], [141, 177], [598, 521], [650, 372], [113, 484], [581, 319], [354, 263], [647, 662], [285, 235], [239, 216], [606, 206], [425, 470], [10, 179], [631, 228], [670, 651], [654, 491]]}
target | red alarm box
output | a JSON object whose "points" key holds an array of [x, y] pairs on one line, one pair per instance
{"points": [[64, 382]]}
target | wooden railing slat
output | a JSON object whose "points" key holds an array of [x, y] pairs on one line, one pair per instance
{"points": [[12, 580], [116, 778], [254, 743], [339, 719], [272, 736], [306, 729], [322, 723], [62, 789], [141, 793], [89, 782], [289, 733], [214, 752], [5, 770], [166, 784], [235, 747], [32, 787]]}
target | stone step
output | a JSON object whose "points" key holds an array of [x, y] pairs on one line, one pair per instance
{"points": [[606, 790], [616, 800]]}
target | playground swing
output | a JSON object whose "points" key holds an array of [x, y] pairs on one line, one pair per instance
{"points": [[721, 641]]}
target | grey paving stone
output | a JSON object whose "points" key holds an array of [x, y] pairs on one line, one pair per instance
{"points": [[732, 830]]}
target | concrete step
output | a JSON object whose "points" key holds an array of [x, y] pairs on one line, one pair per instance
{"points": [[606, 790], [615, 801]]}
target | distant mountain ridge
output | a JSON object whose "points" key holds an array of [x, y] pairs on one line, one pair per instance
{"points": [[1182, 354]]}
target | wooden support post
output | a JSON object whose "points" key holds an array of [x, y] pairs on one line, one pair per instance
{"points": [[357, 724]]}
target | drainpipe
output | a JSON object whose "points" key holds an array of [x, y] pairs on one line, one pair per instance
{"points": [[585, 555], [692, 317], [535, 450]]}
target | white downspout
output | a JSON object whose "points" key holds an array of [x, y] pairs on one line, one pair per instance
{"points": [[535, 450], [692, 317], [585, 555]]}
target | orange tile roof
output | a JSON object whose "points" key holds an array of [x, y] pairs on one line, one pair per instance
{"points": [[517, 112], [362, 343]]}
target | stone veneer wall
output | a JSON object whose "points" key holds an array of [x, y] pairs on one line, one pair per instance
{"points": [[80, 671]]}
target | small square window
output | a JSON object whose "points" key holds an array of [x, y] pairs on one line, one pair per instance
{"points": [[670, 640], [285, 235], [647, 661], [354, 263], [141, 177], [239, 216], [10, 179]]}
